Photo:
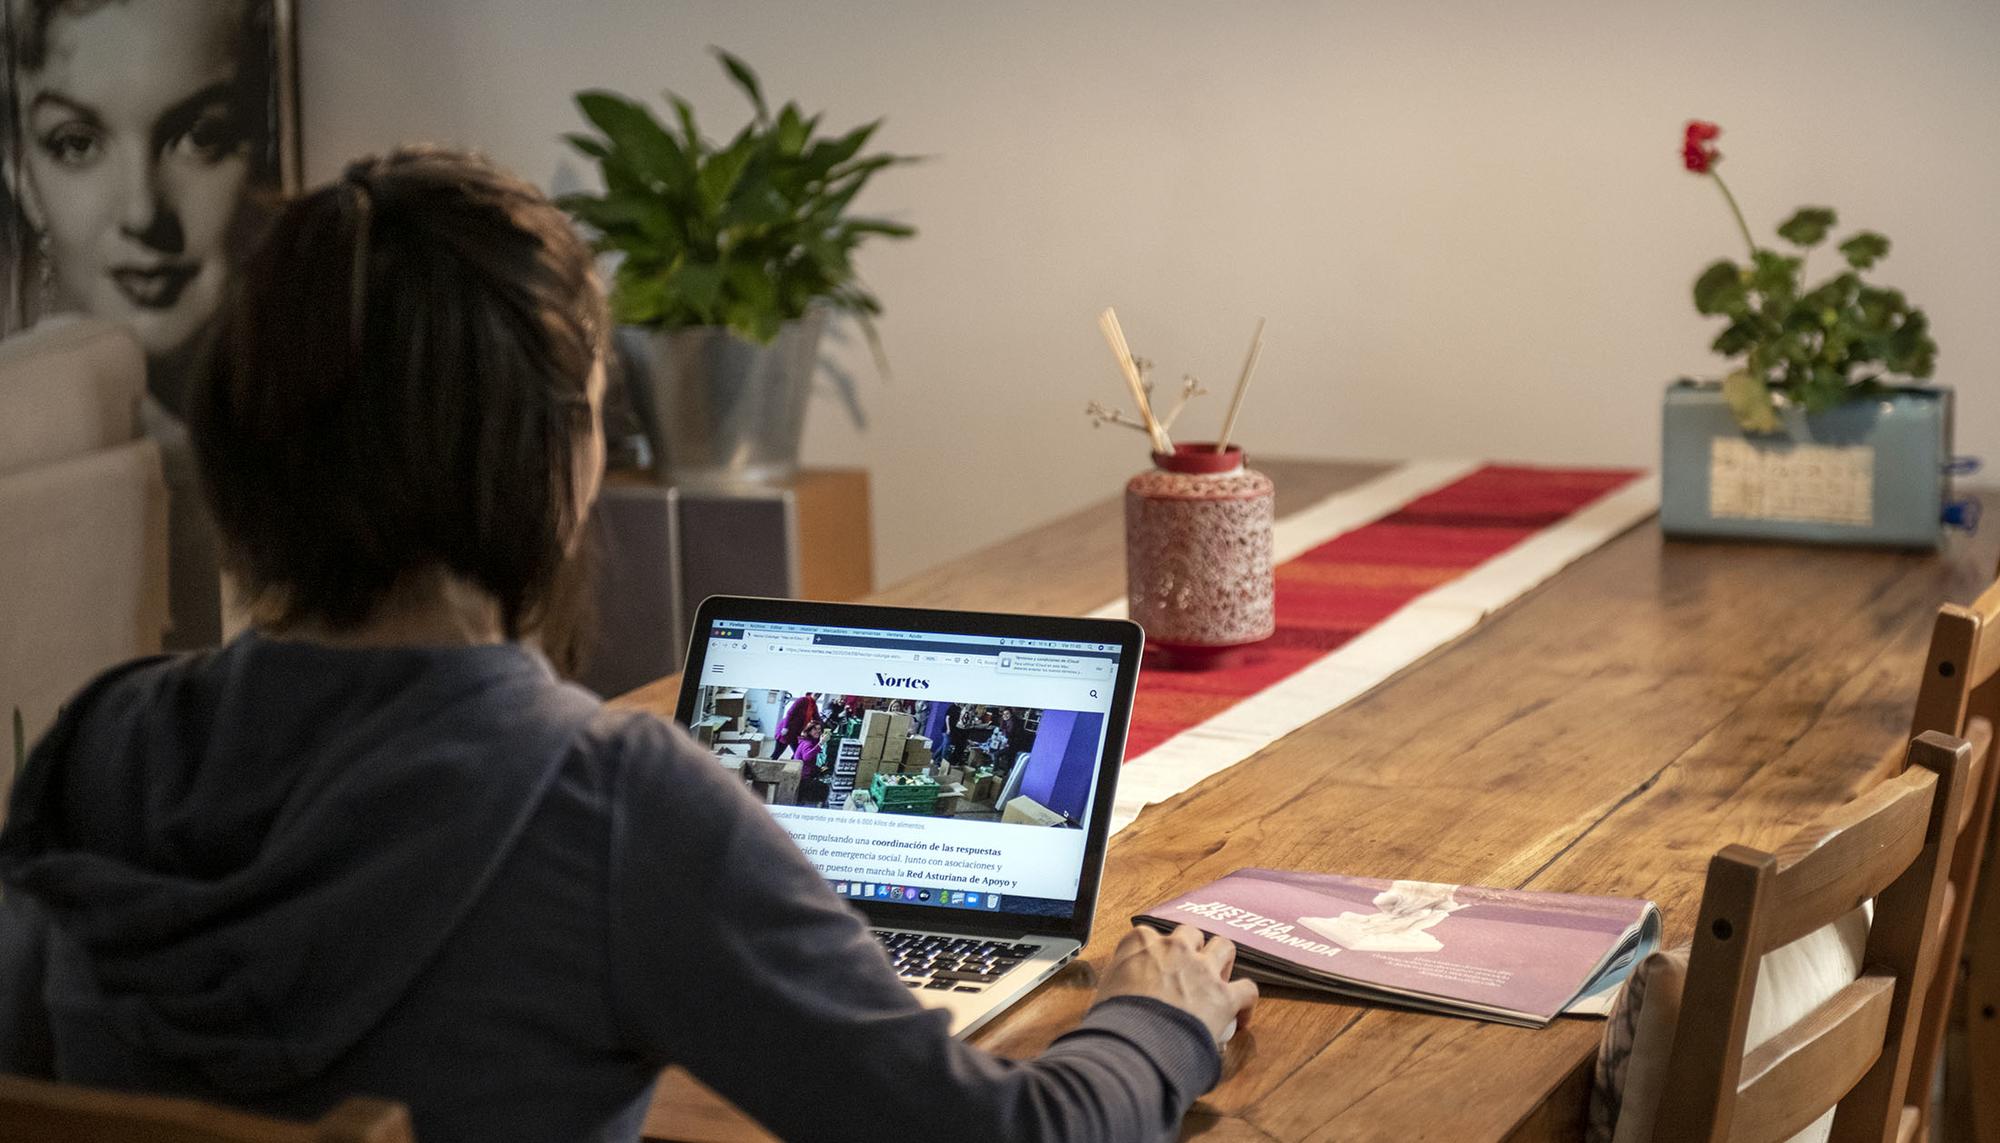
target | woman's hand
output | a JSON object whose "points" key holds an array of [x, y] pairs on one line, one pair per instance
{"points": [[1183, 972]]}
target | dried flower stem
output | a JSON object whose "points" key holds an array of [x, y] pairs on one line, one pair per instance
{"points": [[1190, 389], [1101, 414]]}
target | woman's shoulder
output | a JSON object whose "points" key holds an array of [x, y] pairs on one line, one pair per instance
{"points": [[643, 748]]}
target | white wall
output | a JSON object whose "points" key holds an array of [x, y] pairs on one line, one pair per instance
{"points": [[1467, 223]]}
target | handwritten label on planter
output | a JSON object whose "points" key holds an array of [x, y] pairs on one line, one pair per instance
{"points": [[1824, 484]]}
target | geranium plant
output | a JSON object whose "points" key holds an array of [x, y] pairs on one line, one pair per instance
{"points": [[1815, 346], [747, 234]]}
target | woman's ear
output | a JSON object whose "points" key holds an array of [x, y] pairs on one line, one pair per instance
{"points": [[23, 192]]}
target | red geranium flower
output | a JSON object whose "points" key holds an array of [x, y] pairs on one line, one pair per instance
{"points": [[1695, 151]]}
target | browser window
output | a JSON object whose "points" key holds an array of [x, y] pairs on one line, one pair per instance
{"points": [[955, 771]]}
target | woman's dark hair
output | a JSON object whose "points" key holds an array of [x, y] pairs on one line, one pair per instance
{"points": [[399, 386]]}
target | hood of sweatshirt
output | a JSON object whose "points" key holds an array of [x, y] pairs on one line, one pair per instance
{"points": [[248, 856]]}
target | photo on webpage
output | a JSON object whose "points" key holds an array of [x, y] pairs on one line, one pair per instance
{"points": [[967, 761]]}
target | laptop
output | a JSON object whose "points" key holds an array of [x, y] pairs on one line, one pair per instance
{"points": [[950, 773]]}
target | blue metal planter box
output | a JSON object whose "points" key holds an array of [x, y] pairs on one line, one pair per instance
{"points": [[1872, 471]]}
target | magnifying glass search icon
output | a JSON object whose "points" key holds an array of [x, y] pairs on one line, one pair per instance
{"points": [[1093, 694]]}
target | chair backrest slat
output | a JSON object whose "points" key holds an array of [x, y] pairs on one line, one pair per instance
{"points": [[1828, 871], [50, 1112], [1813, 1063]]}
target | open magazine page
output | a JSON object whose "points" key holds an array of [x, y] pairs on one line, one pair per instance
{"points": [[1497, 953]]}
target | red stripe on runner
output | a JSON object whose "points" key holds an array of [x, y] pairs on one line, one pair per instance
{"points": [[1345, 586]]}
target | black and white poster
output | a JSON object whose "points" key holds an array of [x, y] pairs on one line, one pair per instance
{"points": [[145, 142]]}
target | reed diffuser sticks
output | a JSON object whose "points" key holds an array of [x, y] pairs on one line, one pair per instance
{"points": [[1242, 387], [1156, 428], [1114, 335]]}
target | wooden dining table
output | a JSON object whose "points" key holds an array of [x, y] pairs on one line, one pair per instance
{"points": [[1606, 733]]}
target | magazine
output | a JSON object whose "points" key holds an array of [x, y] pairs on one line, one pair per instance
{"points": [[1506, 955]]}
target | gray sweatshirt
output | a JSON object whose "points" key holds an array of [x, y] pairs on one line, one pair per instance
{"points": [[280, 874]]}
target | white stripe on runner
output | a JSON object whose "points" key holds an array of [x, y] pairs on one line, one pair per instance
{"points": [[1344, 511], [1418, 628]]}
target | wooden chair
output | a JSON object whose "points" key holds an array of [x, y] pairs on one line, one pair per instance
{"points": [[1853, 1051], [67, 1113], [1960, 695]]}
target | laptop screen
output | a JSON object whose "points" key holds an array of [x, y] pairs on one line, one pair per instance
{"points": [[953, 771]]}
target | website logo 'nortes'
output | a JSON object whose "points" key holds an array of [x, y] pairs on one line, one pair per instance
{"points": [[908, 681]]}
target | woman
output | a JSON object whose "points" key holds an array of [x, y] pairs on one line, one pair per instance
{"points": [[141, 127], [140, 138], [373, 845], [813, 769], [792, 726]]}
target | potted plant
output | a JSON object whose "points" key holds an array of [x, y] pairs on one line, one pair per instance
{"points": [[730, 259], [1820, 431]]}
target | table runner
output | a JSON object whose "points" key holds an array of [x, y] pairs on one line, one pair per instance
{"points": [[1369, 581]]}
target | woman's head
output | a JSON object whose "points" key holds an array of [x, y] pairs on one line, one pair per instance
{"points": [[142, 122], [406, 381]]}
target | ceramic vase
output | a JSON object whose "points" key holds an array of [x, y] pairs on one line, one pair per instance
{"points": [[1198, 555]]}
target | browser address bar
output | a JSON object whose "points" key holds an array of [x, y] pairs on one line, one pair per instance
{"points": [[869, 655]]}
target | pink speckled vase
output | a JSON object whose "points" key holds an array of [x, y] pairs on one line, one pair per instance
{"points": [[1198, 555]]}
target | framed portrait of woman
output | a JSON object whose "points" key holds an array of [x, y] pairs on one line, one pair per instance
{"points": [[145, 143]]}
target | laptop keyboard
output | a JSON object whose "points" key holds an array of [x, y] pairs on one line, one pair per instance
{"points": [[951, 964]]}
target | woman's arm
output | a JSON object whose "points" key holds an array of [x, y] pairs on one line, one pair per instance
{"points": [[730, 956]]}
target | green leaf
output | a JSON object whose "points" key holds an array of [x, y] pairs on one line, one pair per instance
{"points": [[1836, 293], [589, 145], [745, 79], [637, 137], [863, 316], [1749, 401], [624, 218], [1776, 277], [830, 154], [1880, 308], [1865, 249], [637, 301], [750, 283], [1719, 289], [848, 181], [690, 134], [1737, 338], [1910, 348], [700, 284], [880, 226], [792, 131], [1817, 390], [1808, 227], [721, 171]]}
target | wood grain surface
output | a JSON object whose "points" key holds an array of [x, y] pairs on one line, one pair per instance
{"points": [[1606, 733]]}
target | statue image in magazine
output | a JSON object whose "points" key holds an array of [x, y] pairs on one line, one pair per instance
{"points": [[1409, 909]]}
